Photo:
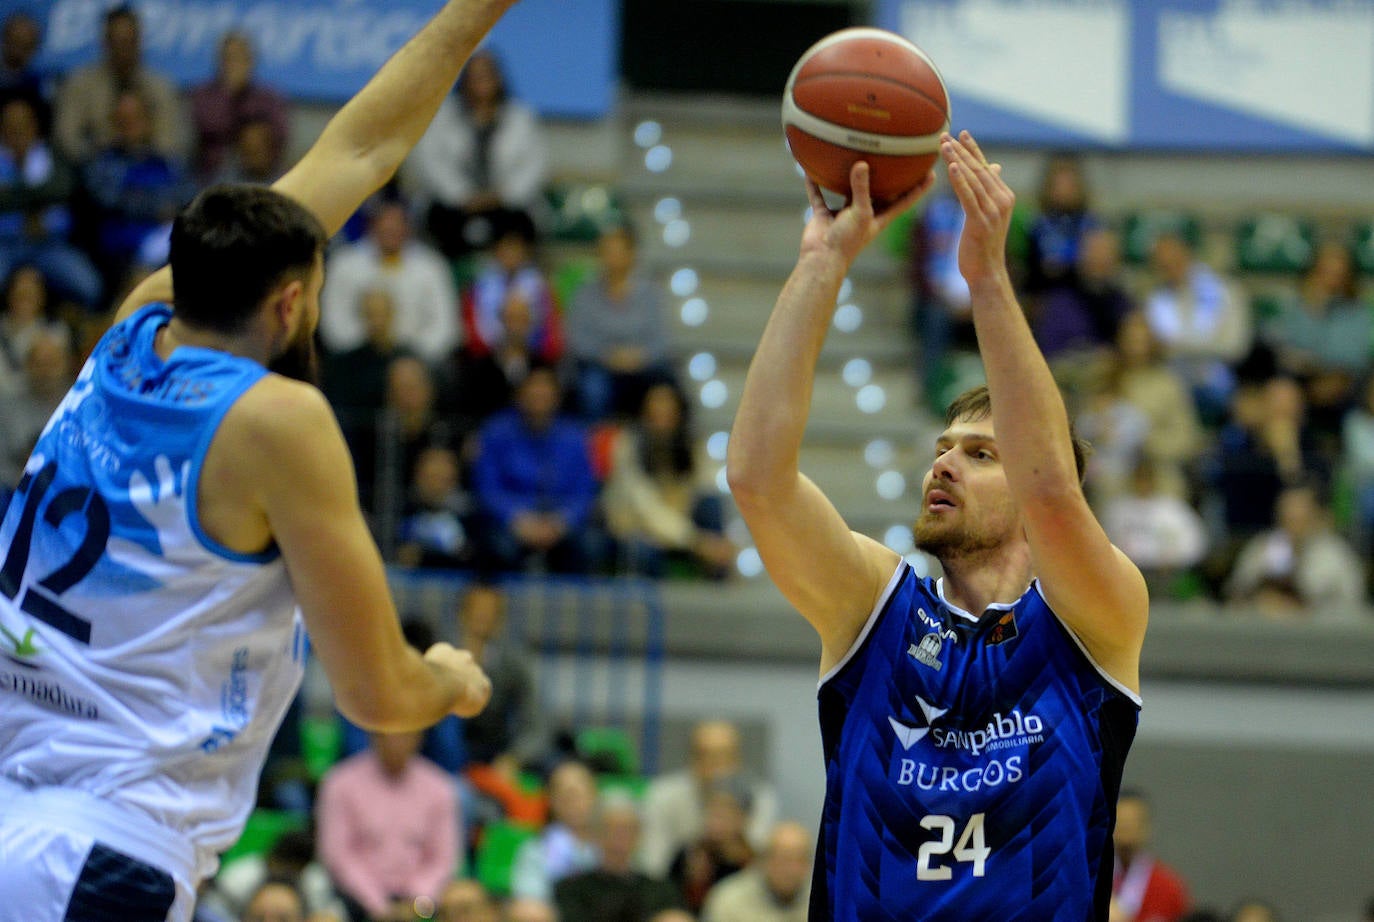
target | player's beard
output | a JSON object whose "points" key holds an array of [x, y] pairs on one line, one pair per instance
{"points": [[946, 536], [301, 361]]}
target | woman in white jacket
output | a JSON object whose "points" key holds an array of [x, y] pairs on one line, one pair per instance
{"points": [[483, 160]]}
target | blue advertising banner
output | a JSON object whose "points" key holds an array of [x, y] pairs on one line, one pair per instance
{"points": [[1231, 75], [560, 55]]}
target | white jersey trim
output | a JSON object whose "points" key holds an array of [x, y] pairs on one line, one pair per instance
{"points": [[1078, 642], [902, 567]]}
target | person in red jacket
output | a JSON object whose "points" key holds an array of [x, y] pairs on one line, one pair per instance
{"points": [[1144, 889]]}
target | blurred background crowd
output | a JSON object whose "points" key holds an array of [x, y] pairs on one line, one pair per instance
{"points": [[508, 371]]}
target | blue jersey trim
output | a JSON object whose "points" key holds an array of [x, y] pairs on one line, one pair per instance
{"points": [[193, 489]]}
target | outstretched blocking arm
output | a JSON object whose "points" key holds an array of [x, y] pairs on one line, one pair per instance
{"points": [[365, 142], [293, 455], [829, 573], [1092, 585]]}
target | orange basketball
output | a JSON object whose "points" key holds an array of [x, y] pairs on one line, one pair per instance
{"points": [[865, 94]]}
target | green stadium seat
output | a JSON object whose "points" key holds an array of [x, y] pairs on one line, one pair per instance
{"points": [[569, 277], [261, 832], [321, 740], [1275, 242], [1266, 307], [609, 746], [1362, 240], [581, 210], [496, 853], [1142, 227]]}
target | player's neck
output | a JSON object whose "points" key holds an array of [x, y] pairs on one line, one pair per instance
{"points": [[975, 581], [177, 333]]}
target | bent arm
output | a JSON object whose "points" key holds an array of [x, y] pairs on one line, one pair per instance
{"points": [[307, 493], [829, 573], [366, 141], [1090, 584]]}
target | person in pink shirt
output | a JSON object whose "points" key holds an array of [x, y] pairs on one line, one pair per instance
{"points": [[388, 824]]}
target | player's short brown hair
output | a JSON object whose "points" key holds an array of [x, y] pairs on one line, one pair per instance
{"points": [[975, 404]]}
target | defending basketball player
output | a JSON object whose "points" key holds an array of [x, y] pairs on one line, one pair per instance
{"points": [[975, 726], [183, 509]]}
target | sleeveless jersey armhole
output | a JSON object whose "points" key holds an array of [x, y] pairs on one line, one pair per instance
{"points": [[1106, 677], [878, 608]]}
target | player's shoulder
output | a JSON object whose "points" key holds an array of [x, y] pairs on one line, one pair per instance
{"points": [[279, 414]]}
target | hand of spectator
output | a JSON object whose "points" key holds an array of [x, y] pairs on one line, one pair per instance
{"points": [[506, 765], [474, 682], [626, 359], [716, 551]]}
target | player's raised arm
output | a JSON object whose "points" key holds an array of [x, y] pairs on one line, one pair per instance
{"points": [[1090, 584], [366, 141], [830, 574]]}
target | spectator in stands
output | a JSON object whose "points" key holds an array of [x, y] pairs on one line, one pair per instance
{"points": [[1161, 533], [1138, 410], [534, 484], [20, 38], [478, 382], [565, 846], [614, 889], [1300, 569], [720, 850], [674, 803], [24, 318], [47, 376], [1266, 445], [433, 535], [509, 277], [356, 380], [275, 901], [1077, 318], [421, 285], [86, 103], [465, 901], [940, 298], [481, 166], [135, 191], [290, 860], [255, 157], [525, 909], [388, 821], [509, 734], [657, 507], [1144, 888], [1253, 910], [1056, 233], [1202, 322], [36, 185], [616, 330], [385, 450], [1322, 334], [773, 889], [1357, 453], [673, 915], [230, 100]]}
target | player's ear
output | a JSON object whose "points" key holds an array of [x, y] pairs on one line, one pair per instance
{"points": [[288, 303]]}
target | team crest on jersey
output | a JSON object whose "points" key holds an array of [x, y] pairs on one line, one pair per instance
{"points": [[1003, 630], [927, 652]]}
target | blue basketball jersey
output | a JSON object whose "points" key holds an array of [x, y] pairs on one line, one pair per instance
{"points": [[972, 766], [140, 662]]}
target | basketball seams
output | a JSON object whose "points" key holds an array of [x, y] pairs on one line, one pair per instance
{"points": [[941, 105]]}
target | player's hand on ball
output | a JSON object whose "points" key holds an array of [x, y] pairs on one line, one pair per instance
{"points": [[849, 230], [474, 682]]}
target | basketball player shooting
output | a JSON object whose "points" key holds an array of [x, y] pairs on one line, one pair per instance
{"points": [[974, 727], [183, 509]]}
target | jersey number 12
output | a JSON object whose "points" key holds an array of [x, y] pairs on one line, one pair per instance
{"points": [[971, 847], [40, 601]]}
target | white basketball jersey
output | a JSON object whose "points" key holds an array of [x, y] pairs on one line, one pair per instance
{"points": [[139, 661]]}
